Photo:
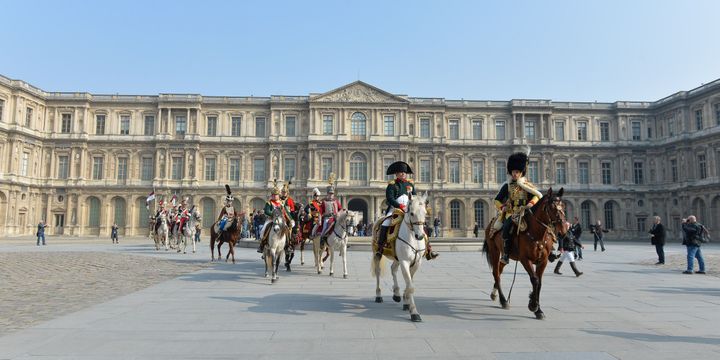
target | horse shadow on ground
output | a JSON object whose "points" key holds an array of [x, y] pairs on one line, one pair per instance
{"points": [[302, 304], [250, 271], [684, 290], [655, 338]]}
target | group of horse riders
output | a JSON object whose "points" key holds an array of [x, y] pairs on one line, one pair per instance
{"points": [[176, 214], [516, 197]]}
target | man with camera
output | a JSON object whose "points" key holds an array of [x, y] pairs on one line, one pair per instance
{"points": [[694, 235]]}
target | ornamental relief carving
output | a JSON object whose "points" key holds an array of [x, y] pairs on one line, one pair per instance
{"points": [[356, 94]]}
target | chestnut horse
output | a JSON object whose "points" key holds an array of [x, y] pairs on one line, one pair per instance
{"points": [[530, 247], [229, 236]]}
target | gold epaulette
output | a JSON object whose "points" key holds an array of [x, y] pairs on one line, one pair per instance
{"points": [[391, 182]]}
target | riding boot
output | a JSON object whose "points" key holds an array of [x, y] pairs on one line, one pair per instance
{"points": [[382, 239], [505, 259], [429, 253], [575, 269], [557, 267]]}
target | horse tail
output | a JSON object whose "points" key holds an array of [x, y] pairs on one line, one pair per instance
{"points": [[377, 267], [486, 247]]}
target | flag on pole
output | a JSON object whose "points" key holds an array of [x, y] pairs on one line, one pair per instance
{"points": [[150, 197], [173, 200]]}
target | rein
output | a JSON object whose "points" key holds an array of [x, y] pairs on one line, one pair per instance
{"points": [[412, 231]]}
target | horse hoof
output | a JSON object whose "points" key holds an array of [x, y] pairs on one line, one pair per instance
{"points": [[533, 309], [406, 307], [505, 306], [266, 275], [193, 251], [540, 315], [378, 299], [493, 297], [302, 263], [345, 276], [396, 298], [184, 252], [331, 274], [319, 272], [272, 281], [415, 317]]}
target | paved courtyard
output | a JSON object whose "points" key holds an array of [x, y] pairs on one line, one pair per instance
{"points": [[77, 299]]}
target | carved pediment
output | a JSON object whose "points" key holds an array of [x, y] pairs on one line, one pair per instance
{"points": [[358, 92]]}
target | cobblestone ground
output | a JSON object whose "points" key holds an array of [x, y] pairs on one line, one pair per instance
{"points": [[679, 262], [36, 287]]}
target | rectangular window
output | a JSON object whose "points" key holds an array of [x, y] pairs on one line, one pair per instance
{"points": [[178, 168], [636, 130], [24, 164], [583, 172], [638, 172], [425, 171], [210, 169], [234, 171], [2, 108], [606, 173], [671, 127], [425, 128], [124, 124], [717, 113], [97, 168], [478, 170], [454, 171], [702, 166], [649, 135], [673, 170], [560, 130], [326, 168], [500, 172], [500, 131], [477, 129], [180, 125], [389, 125], [641, 224], [604, 131], [530, 129], [699, 119], [122, 168], [289, 169], [149, 124], [63, 167], [561, 173], [28, 117], [533, 173], [582, 134], [454, 129], [327, 124], [147, 168], [211, 126], [66, 125], [235, 125], [100, 125], [260, 127], [290, 125]]}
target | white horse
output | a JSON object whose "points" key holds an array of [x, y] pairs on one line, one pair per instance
{"points": [[275, 248], [163, 232], [410, 251], [189, 231], [337, 241]]}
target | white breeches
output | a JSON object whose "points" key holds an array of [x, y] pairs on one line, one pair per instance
{"points": [[568, 256]]}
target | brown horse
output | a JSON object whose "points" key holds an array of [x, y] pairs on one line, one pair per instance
{"points": [[530, 247], [229, 236]]}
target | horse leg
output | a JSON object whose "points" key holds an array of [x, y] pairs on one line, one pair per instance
{"points": [[539, 270], [376, 264], [302, 247], [279, 257], [192, 239], [268, 262], [343, 254], [317, 254], [409, 291], [396, 287], [212, 246], [530, 269], [331, 248]]}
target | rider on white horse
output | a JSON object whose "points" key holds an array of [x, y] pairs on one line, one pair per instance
{"points": [[270, 206], [329, 208], [397, 195]]}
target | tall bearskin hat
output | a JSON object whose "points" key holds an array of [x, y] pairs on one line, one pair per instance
{"points": [[229, 196], [275, 189], [398, 166], [517, 161], [331, 181], [286, 187]]}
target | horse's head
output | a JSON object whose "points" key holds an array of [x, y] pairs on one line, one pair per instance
{"points": [[195, 214], [552, 207], [416, 213], [277, 219]]}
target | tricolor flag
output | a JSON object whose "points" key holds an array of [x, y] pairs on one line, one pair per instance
{"points": [[173, 200], [150, 197]]}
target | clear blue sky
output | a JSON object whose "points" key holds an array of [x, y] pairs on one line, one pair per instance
{"points": [[500, 50]]}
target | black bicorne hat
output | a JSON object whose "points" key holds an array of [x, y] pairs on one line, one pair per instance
{"points": [[517, 161], [398, 166]]}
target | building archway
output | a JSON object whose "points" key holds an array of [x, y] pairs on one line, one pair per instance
{"points": [[359, 205], [3, 213]]}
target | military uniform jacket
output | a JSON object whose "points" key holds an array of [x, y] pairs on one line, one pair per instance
{"points": [[397, 188], [271, 205], [515, 194]]}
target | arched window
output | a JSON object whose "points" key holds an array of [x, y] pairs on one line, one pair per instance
{"points": [[480, 213], [119, 206], [585, 214], [358, 167], [455, 210], [94, 212], [609, 215], [357, 124], [208, 212]]}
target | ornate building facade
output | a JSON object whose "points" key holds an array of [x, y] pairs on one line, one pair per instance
{"points": [[82, 162]]}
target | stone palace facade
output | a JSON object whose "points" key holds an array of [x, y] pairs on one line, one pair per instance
{"points": [[84, 161]]}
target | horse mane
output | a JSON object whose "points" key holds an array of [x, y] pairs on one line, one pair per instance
{"points": [[535, 207]]}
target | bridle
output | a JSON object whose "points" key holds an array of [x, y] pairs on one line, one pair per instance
{"points": [[411, 229], [553, 221]]}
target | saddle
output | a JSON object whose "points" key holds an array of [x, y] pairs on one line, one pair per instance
{"points": [[396, 219]]}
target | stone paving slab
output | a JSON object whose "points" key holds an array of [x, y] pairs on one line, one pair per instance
{"points": [[622, 308]]}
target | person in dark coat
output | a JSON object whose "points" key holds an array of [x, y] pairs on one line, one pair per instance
{"points": [[576, 230], [657, 238], [598, 231], [567, 247], [694, 232]]}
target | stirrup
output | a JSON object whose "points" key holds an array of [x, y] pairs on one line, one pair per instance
{"points": [[505, 259]]}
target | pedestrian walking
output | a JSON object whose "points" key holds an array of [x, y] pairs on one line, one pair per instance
{"points": [[114, 233], [41, 232], [576, 230], [598, 231], [198, 230], [568, 243]]}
